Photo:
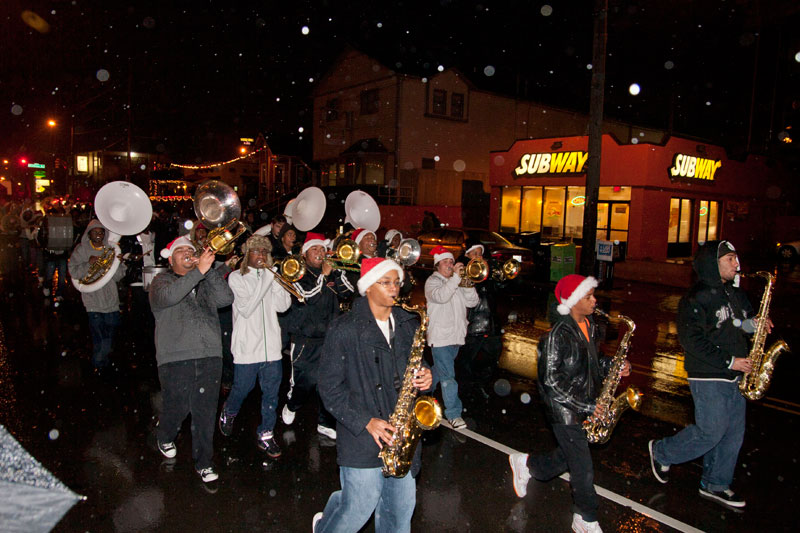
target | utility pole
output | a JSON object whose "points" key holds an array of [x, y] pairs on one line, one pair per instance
{"points": [[595, 136]]}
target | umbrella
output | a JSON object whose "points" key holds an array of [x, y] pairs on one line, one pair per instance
{"points": [[33, 498]]}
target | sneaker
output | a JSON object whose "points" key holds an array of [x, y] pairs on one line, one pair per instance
{"points": [[458, 423], [725, 497], [46, 292], [661, 472], [579, 525], [266, 442], [314, 521], [168, 449], [287, 415], [207, 474], [519, 468], [328, 432], [226, 423]]}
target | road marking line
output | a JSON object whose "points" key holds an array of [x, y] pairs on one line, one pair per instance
{"points": [[605, 493]]}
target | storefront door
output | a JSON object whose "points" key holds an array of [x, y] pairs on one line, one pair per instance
{"points": [[679, 234], [612, 221]]}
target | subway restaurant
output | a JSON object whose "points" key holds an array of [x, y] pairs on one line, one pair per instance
{"points": [[660, 200]]}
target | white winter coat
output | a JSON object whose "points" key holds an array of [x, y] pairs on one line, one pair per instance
{"points": [[447, 309], [257, 300]]}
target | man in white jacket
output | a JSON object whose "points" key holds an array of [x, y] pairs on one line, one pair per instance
{"points": [[447, 311], [256, 340]]}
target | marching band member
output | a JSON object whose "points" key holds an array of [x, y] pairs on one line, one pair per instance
{"points": [[322, 288], [447, 309], [189, 348], [375, 331], [391, 240], [368, 245], [256, 340]]}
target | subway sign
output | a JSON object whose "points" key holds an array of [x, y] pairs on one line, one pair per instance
{"points": [[558, 163], [689, 166]]}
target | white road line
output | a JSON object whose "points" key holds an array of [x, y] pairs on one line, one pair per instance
{"points": [[605, 493]]}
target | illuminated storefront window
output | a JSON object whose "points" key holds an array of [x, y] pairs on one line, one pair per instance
{"points": [[680, 227], [708, 221], [553, 216], [509, 210], [531, 219], [574, 221]]}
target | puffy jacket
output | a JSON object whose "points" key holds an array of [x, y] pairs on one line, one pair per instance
{"points": [[711, 317], [447, 309], [105, 299], [257, 300], [570, 371], [359, 378]]}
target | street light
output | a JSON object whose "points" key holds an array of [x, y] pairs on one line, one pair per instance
{"points": [[51, 123], [242, 150]]}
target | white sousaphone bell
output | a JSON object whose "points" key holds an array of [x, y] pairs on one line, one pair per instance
{"points": [[123, 209], [362, 211], [307, 209]]}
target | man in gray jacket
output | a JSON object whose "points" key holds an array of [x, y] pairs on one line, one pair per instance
{"points": [[101, 305], [189, 348]]}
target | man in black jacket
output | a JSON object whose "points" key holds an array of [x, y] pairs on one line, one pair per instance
{"points": [[714, 318], [570, 378], [363, 363], [322, 288]]}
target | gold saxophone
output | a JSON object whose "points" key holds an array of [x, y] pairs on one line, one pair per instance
{"points": [[755, 384], [411, 414], [598, 429]]}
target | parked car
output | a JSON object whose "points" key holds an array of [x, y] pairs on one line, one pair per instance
{"points": [[788, 250], [455, 239]]}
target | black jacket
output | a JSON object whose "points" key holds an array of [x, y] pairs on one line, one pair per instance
{"points": [[359, 378], [310, 320], [710, 319], [570, 371]]}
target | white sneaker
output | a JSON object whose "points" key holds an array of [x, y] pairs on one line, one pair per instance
{"points": [[328, 432], [208, 475], [519, 468], [579, 525], [46, 291], [315, 520], [458, 423], [287, 415], [167, 449]]}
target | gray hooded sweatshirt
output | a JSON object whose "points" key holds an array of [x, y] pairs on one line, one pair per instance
{"points": [[105, 300]]}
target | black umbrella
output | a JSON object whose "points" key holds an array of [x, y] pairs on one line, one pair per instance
{"points": [[33, 498]]}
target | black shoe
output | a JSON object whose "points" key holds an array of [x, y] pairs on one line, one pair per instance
{"points": [[661, 472], [266, 442], [226, 423], [725, 497]]}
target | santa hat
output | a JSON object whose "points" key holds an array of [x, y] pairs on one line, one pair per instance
{"points": [[315, 239], [390, 235], [373, 269], [360, 233], [175, 244], [440, 252], [474, 247], [570, 289]]}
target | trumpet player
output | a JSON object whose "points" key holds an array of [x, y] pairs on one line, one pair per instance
{"points": [[447, 309], [391, 240], [570, 374], [102, 305], [322, 287], [714, 319], [256, 340]]}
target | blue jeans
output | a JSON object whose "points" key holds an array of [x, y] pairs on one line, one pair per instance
{"points": [[102, 327], [269, 374], [444, 372], [51, 266], [365, 490], [717, 434]]}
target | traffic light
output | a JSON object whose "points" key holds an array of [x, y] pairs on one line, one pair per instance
{"points": [[23, 161]]}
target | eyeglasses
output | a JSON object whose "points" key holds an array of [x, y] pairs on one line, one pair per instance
{"points": [[389, 284]]}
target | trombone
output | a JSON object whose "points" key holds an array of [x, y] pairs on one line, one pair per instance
{"points": [[288, 271], [346, 255]]}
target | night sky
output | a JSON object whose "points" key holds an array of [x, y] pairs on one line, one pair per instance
{"points": [[201, 74]]}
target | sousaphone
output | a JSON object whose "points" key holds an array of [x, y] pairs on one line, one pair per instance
{"points": [[362, 211], [307, 209], [123, 209], [217, 205]]}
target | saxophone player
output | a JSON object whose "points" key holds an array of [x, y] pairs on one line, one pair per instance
{"points": [[363, 362], [571, 374], [714, 318]]}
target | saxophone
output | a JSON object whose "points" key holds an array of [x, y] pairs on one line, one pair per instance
{"points": [[411, 415], [598, 429], [755, 384]]}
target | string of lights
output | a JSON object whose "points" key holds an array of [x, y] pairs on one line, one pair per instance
{"points": [[219, 164]]}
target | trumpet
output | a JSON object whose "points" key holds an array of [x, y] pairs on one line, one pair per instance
{"points": [[346, 255], [288, 271], [507, 271], [476, 271]]}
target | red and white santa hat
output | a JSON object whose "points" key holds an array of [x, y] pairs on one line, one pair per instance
{"points": [[570, 289], [373, 269], [175, 244], [360, 233], [474, 247], [314, 239], [440, 252]]}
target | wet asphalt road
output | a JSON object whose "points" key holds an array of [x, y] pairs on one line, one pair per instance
{"points": [[103, 444]]}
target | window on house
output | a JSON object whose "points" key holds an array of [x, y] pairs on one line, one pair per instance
{"points": [[332, 110], [457, 105], [428, 163], [439, 102], [369, 102]]}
